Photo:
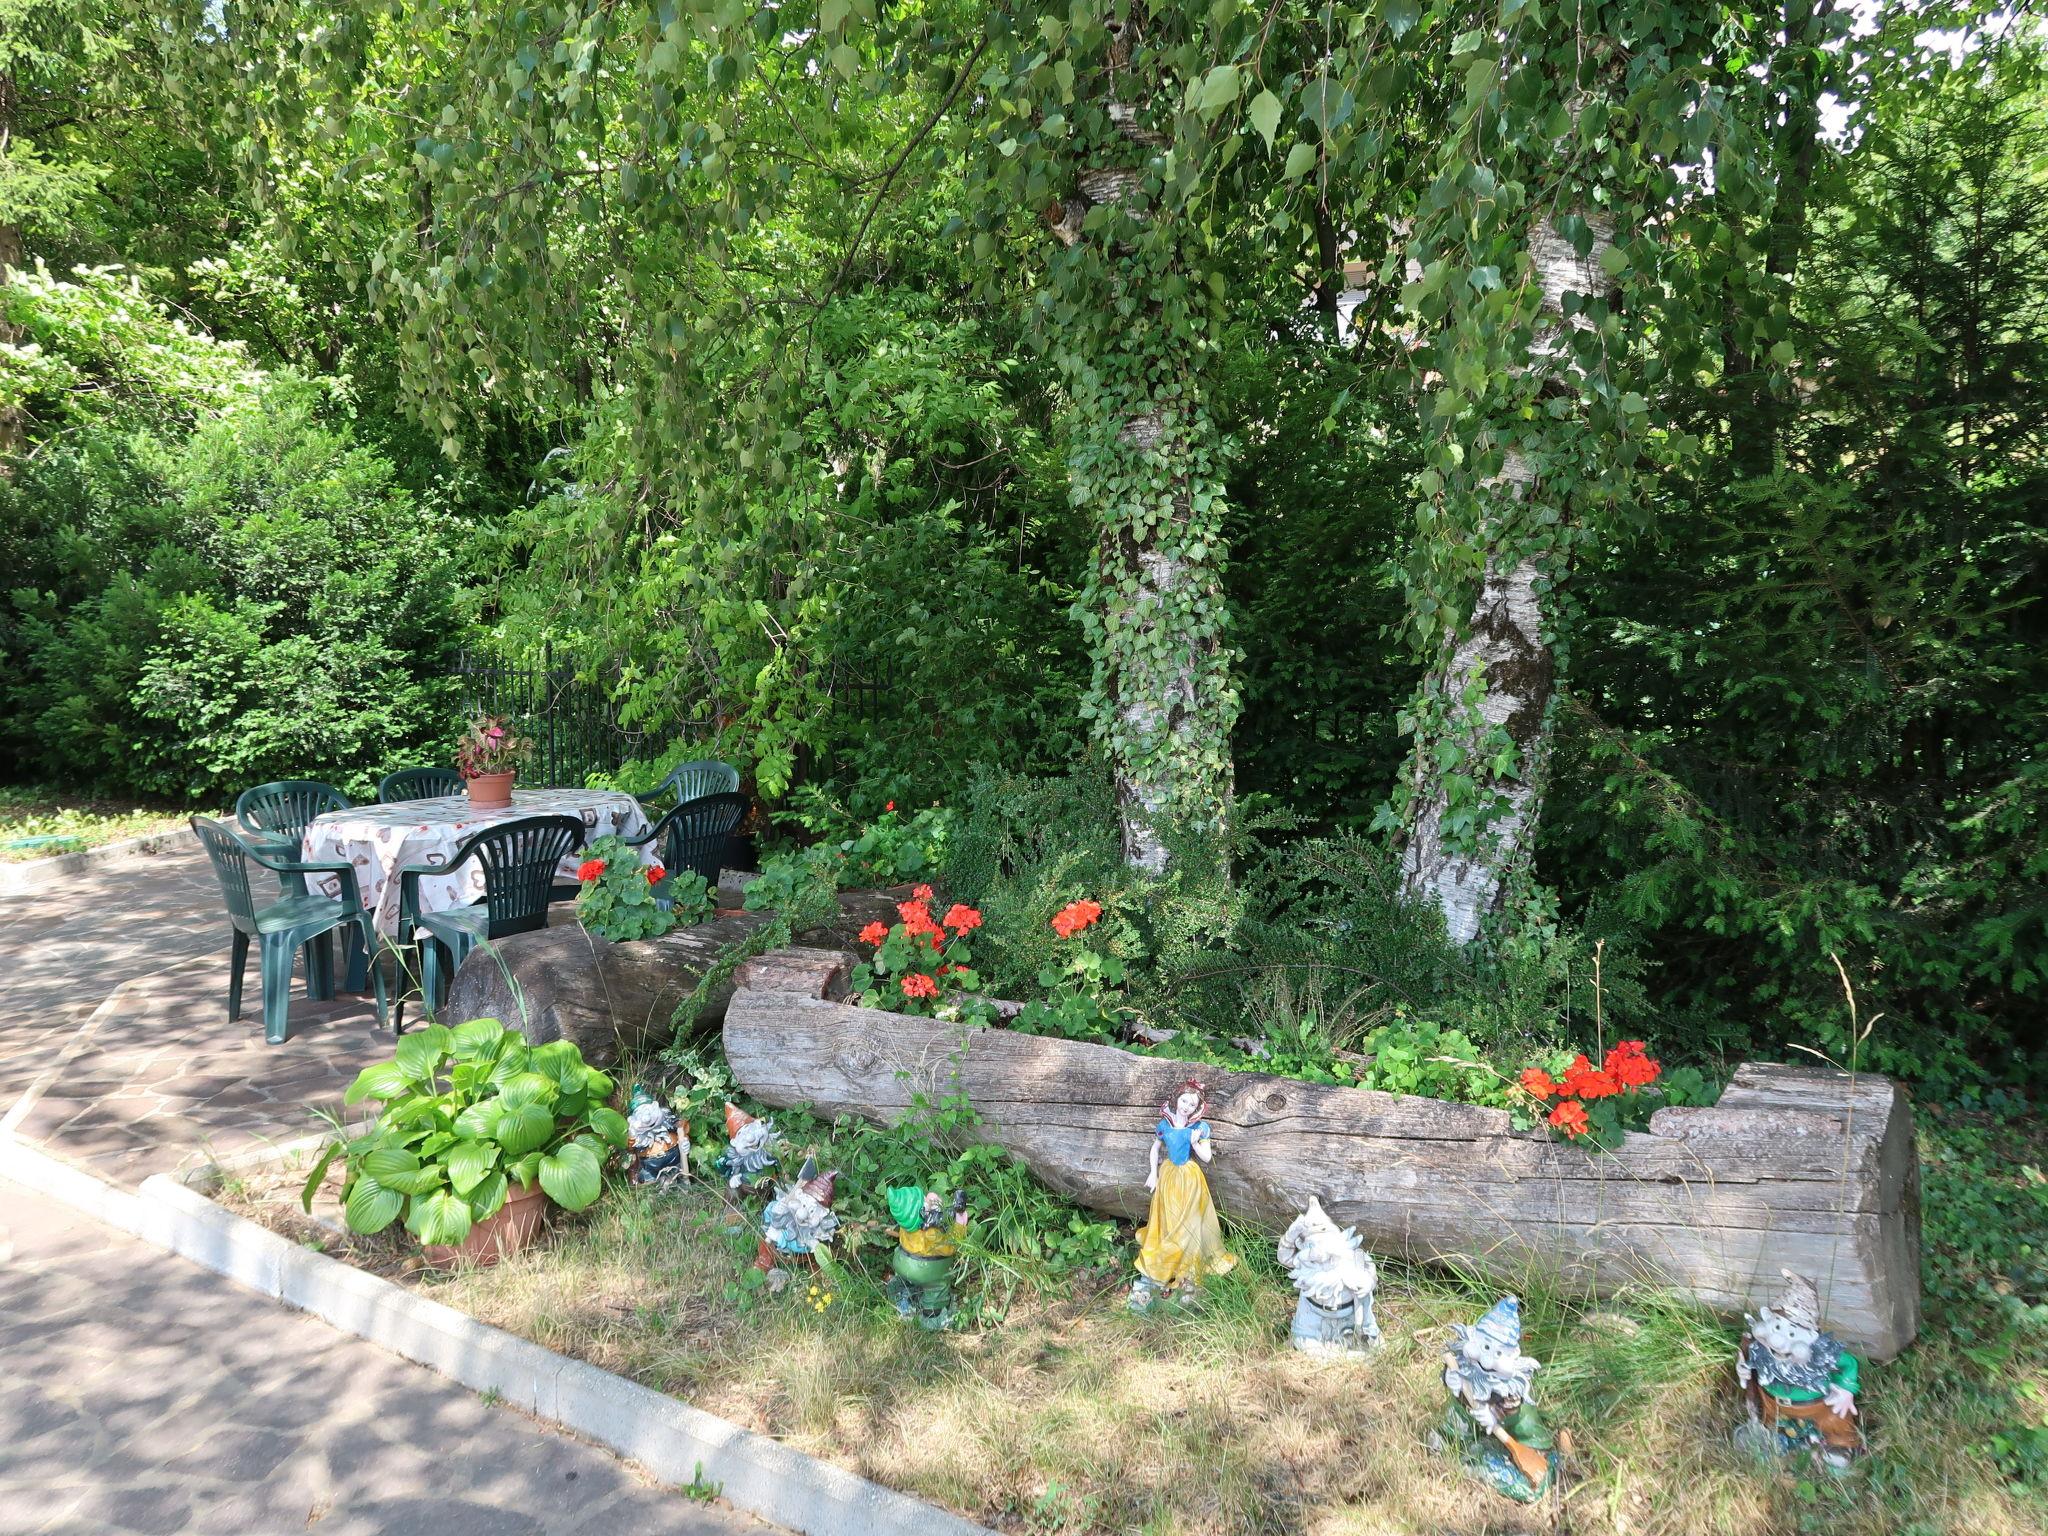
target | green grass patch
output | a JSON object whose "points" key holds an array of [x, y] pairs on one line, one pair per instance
{"points": [[41, 824]]}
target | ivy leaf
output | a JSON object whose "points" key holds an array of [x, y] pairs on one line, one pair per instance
{"points": [[1265, 115]]}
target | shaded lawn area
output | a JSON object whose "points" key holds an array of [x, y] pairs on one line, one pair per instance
{"points": [[1066, 1413]]}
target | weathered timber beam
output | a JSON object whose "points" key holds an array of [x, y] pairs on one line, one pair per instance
{"points": [[1794, 1169]]}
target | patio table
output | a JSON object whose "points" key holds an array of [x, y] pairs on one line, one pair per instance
{"points": [[380, 840]]}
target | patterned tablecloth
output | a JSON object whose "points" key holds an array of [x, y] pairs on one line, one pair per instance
{"points": [[380, 840]]}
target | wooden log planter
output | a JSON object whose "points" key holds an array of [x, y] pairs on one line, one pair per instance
{"points": [[1795, 1168]]}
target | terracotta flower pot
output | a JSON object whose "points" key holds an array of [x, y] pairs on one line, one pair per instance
{"points": [[510, 1228], [490, 791]]}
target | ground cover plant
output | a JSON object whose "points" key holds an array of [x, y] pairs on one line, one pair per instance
{"points": [[39, 824]]}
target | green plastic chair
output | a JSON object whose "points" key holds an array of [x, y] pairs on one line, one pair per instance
{"points": [[418, 784], [693, 781], [275, 815], [519, 859], [290, 924], [694, 835]]}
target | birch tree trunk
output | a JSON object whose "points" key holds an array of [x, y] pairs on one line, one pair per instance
{"points": [[1147, 466], [1482, 739]]}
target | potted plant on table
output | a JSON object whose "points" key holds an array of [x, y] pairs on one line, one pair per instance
{"points": [[488, 760], [477, 1131]]}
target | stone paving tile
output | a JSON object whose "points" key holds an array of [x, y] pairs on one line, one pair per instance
{"points": [[118, 1415]]}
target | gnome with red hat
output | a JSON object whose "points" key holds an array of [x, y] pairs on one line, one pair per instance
{"points": [[798, 1221], [751, 1147]]}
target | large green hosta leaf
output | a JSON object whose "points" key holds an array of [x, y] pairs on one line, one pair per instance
{"points": [[489, 1195], [609, 1124], [524, 1128], [468, 1162], [442, 1218], [370, 1207], [529, 1088], [379, 1080], [420, 1053], [479, 1121], [573, 1174], [476, 1040]]}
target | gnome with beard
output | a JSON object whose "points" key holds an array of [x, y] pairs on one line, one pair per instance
{"points": [[1798, 1383], [751, 1147], [658, 1148], [797, 1222], [1334, 1277], [1492, 1424]]}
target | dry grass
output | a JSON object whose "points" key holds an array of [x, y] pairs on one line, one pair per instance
{"points": [[1075, 1416]]}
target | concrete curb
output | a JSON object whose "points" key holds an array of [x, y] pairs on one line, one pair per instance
{"points": [[675, 1443], [33, 874]]}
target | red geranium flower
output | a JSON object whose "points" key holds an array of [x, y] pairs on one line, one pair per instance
{"points": [[917, 918], [590, 869], [917, 984], [1628, 1066], [1588, 1081], [874, 933], [961, 919], [890, 806], [1539, 1082], [656, 874], [921, 892], [1570, 1117], [1075, 916]]}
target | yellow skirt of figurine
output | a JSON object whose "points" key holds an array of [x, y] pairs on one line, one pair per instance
{"points": [[1183, 1241]]}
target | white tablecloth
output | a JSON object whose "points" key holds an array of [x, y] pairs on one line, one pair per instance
{"points": [[380, 840]]}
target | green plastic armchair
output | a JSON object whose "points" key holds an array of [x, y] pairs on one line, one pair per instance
{"points": [[695, 834], [285, 926], [274, 816], [418, 784], [519, 859], [693, 781]]}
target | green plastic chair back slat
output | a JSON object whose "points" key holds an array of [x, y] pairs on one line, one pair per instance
{"points": [[694, 835], [279, 812], [418, 784], [519, 859], [694, 781]]}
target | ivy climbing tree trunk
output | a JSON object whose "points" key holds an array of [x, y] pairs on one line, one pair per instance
{"points": [[1147, 467], [1481, 722]]}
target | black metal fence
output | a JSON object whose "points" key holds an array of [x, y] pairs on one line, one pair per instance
{"points": [[573, 721]]}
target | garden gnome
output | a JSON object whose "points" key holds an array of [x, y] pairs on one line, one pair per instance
{"points": [[797, 1222], [655, 1139], [1334, 1278], [1181, 1242], [927, 1238], [751, 1146], [1798, 1383], [1492, 1424]]}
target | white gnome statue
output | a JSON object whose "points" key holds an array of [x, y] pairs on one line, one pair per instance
{"points": [[1798, 1383], [1334, 1279], [1493, 1425], [751, 1148], [797, 1222]]}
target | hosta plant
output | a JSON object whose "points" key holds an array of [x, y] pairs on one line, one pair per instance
{"points": [[462, 1114]]}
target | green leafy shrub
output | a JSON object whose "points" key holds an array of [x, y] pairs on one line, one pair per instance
{"points": [[462, 1113]]}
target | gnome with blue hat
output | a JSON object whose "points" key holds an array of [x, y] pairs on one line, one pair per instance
{"points": [[1493, 1425]]}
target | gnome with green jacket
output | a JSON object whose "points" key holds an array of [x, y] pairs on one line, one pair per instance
{"points": [[1493, 1425], [927, 1241]]}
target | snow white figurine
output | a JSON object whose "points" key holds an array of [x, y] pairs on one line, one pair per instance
{"points": [[1182, 1241]]}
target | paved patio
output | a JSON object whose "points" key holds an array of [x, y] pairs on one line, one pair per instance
{"points": [[143, 1394], [116, 1051]]}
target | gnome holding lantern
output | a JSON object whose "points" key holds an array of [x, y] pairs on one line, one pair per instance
{"points": [[1493, 1425], [797, 1222], [927, 1240], [1798, 1383], [657, 1145], [751, 1148]]}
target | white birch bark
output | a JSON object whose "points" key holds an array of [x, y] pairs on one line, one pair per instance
{"points": [[1497, 675]]}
